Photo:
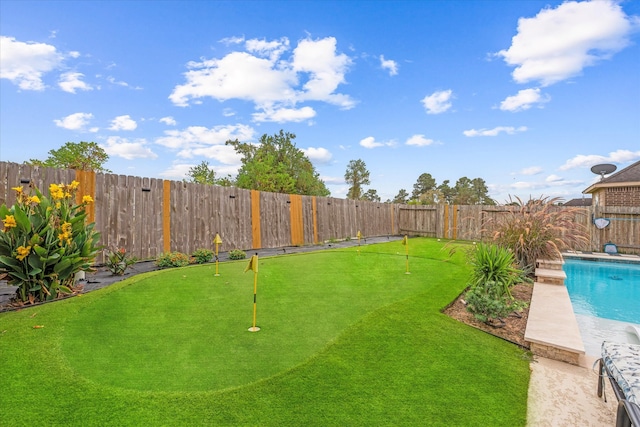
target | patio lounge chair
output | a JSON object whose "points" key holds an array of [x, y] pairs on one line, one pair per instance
{"points": [[621, 364]]}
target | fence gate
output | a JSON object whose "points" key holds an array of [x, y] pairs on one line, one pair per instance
{"points": [[419, 220]]}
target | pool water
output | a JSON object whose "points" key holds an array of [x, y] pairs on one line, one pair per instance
{"points": [[606, 299], [604, 289]]}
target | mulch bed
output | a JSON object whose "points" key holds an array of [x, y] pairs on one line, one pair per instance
{"points": [[514, 326]]}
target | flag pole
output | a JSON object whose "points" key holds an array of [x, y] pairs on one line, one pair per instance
{"points": [[253, 265], [405, 242], [218, 241]]}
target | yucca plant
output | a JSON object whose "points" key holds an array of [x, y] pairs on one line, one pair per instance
{"points": [[45, 242], [493, 263], [538, 229], [494, 273]]}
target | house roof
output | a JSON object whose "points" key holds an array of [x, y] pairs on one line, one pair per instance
{"points": [[585, 201], [627, 176]]}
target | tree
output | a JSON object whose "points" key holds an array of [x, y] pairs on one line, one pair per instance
{"points": [[472, 192], [278, 166], [202, 174], [86, 156], [402, 197], [447, 192], [481, 192], [371, 195], [356, 176], [464, 192], [430, 197], [424, 183]]}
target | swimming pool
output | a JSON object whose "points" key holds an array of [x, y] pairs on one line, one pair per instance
{"points": [[605, 298]]}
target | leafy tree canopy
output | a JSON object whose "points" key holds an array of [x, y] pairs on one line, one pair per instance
{"points": [[356, 176], [203, 174], [86, 156], [371, 195], [402, 197], [465, 192], [424, 184], [276, 165]]}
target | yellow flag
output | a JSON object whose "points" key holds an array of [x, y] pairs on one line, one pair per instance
{"points": [[253, 264], [405, 241], [217, 240], [359, 235]]}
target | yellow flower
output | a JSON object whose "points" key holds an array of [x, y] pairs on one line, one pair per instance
{"points": [[56, 192], [66, 234], [34, 199], [87, 199], [23, 252], [74, 184], [58, 205], [17, 190], [9, 222]]}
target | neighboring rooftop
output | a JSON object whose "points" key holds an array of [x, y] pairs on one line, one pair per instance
{"points": [[584, 201]]}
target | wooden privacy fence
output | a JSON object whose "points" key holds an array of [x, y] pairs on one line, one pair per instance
{"points": [[474, 222], [148, 216]]}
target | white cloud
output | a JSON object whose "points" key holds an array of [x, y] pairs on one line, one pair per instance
{"points": [[169, 121], [510, 130], [553, 178], [559, 43], [317, 155], [438, 102], [24, 64], [228, 112], [389, 64], [370, 142], [210, 143], [272, 50], [333, 180], [587, 161], [113, 81], [123, 123], [284, 115], [325, 69], [71, 81], [279, 88], [232, 40], [177, 171], [122, 147], [524, 100], [75, 121], [532, 170], [419, 141]]}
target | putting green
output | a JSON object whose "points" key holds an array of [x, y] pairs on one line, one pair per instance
{"points": [[186, 330]]}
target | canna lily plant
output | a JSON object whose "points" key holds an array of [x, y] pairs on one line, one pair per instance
{"points": [[45, 241]]}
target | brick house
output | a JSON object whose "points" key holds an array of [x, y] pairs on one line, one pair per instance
{"points": [[620, 189]]}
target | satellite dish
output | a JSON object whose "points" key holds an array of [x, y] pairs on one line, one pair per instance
{"points": [[603, 170]]}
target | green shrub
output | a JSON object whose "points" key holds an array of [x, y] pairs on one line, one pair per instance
{"points": [[539, 229], [45, 242], [487, 302], [118, 261], [237, 254], [494, 273], [173, 259], [202, 255]]}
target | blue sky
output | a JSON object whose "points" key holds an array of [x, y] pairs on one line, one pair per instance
{"points": [[527, 95]]}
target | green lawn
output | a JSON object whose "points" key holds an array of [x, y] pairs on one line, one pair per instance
{"points": [[345, 339]]}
